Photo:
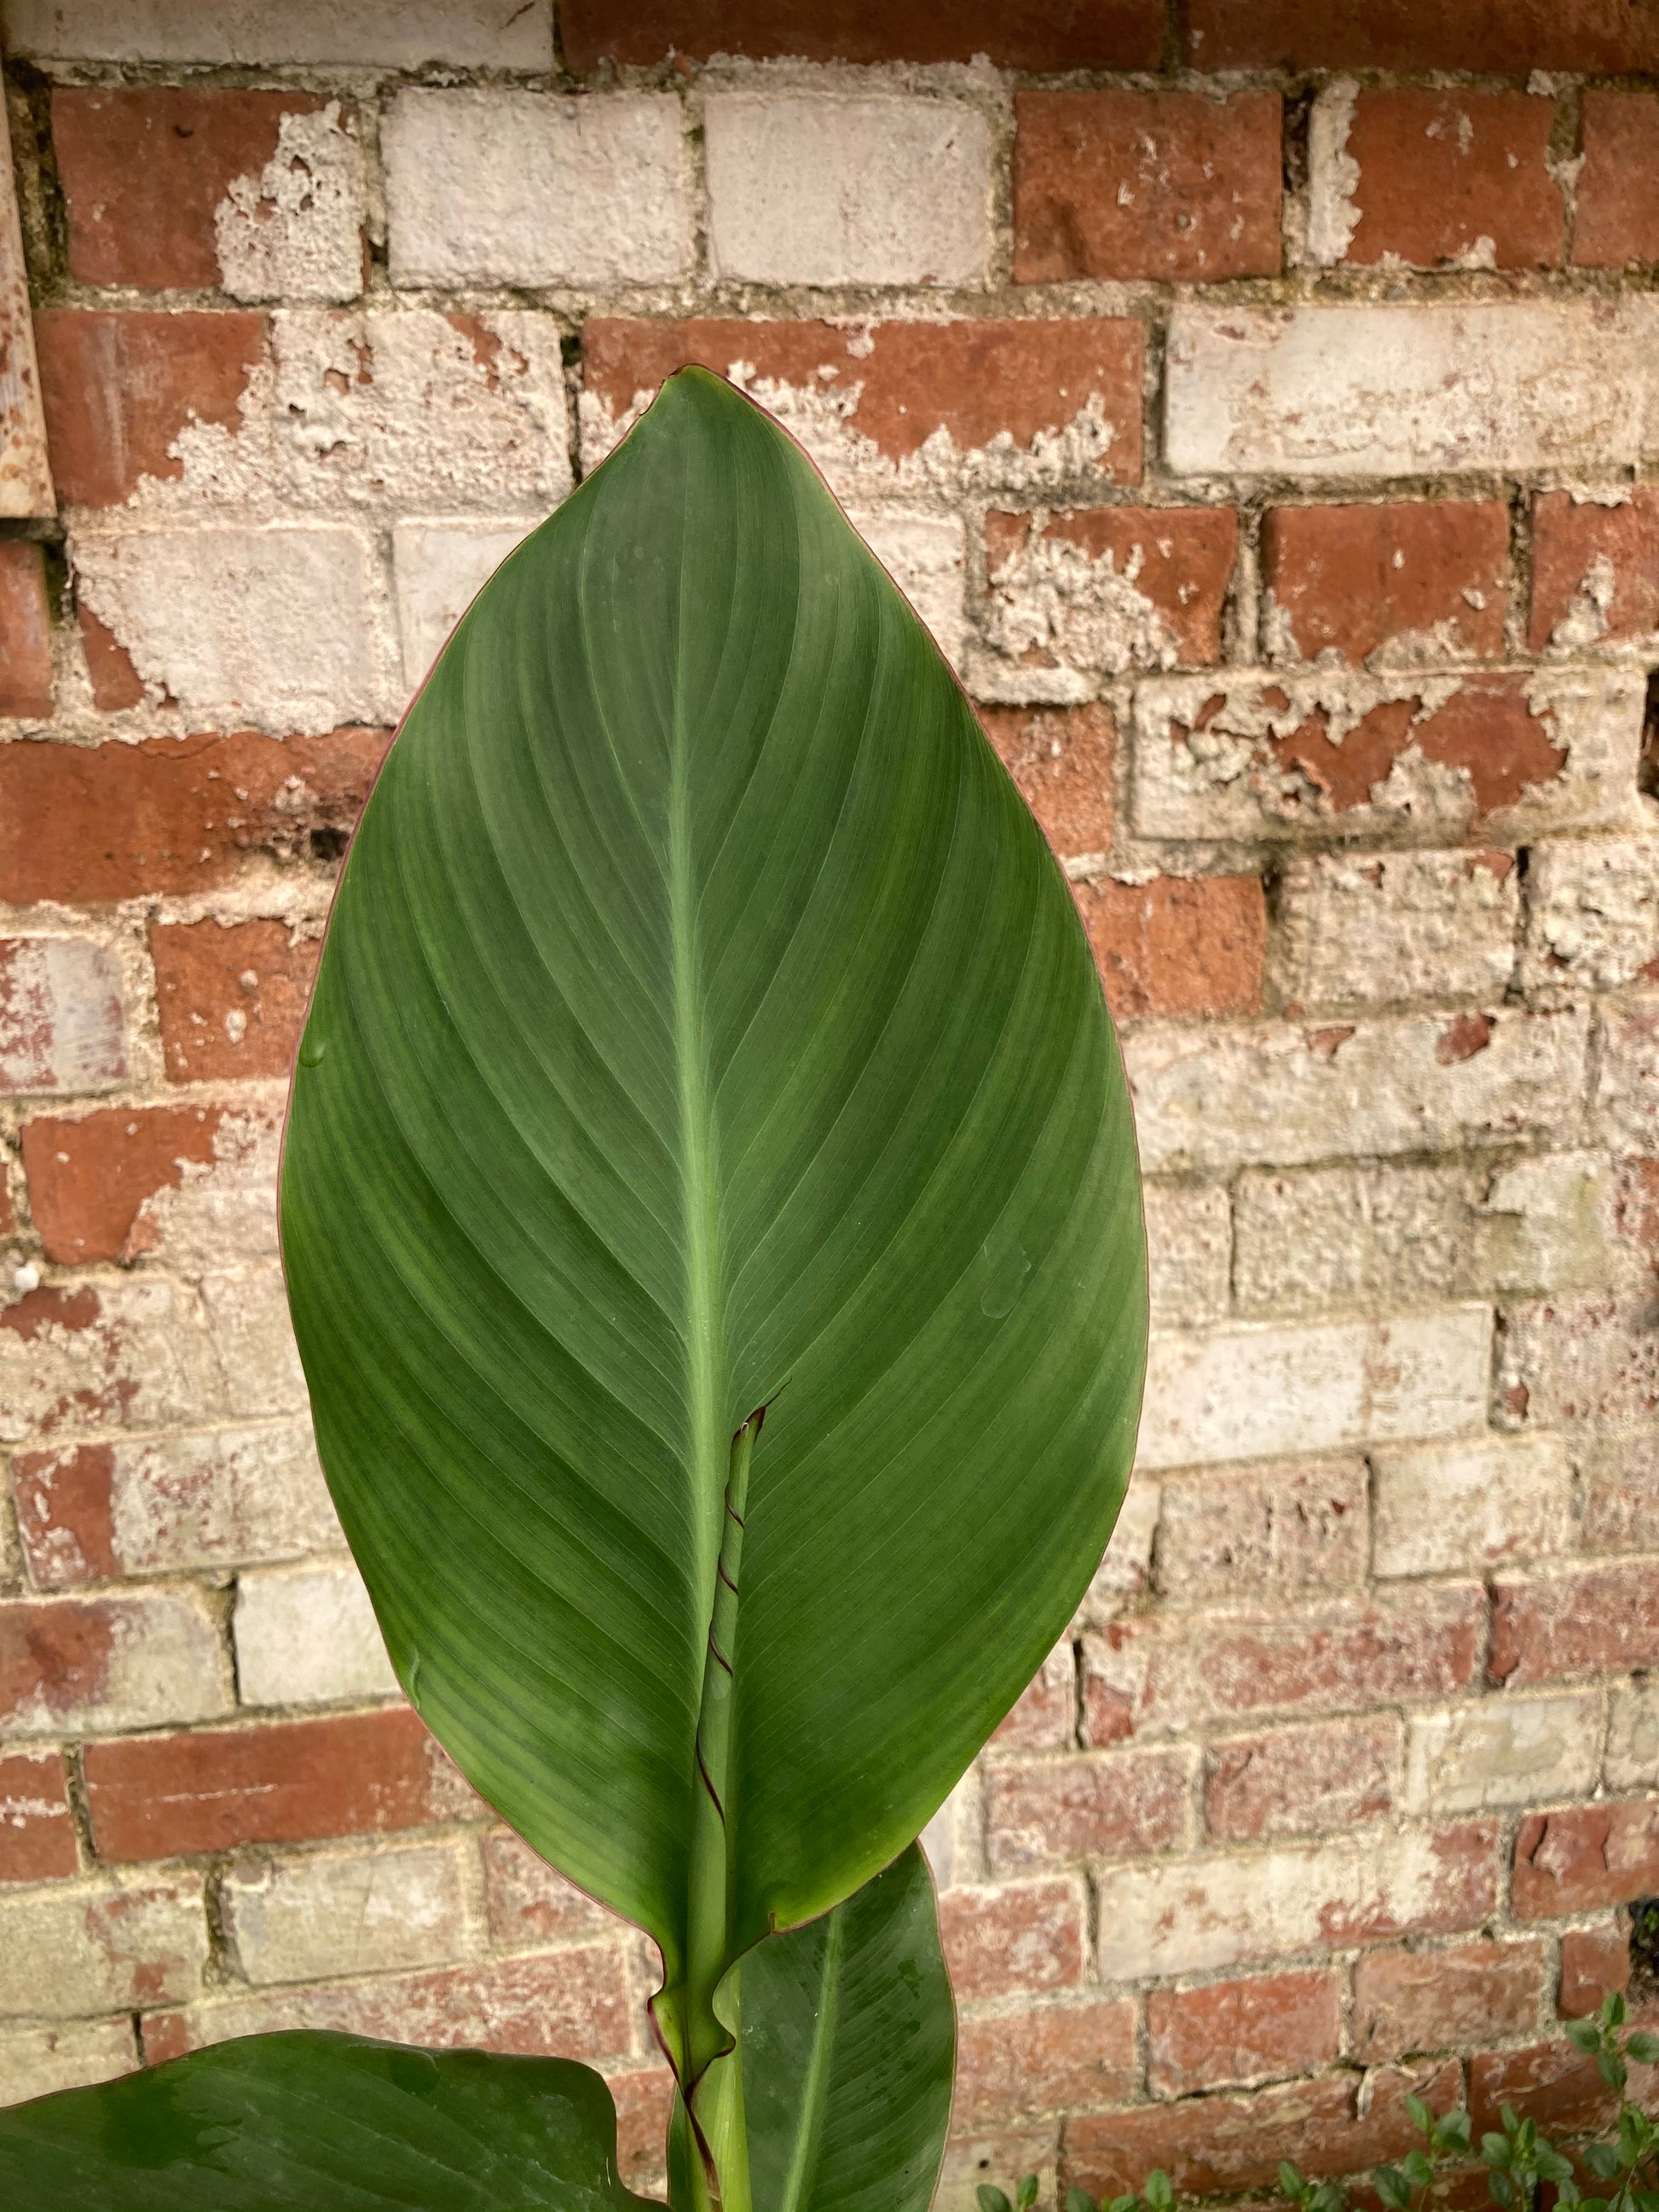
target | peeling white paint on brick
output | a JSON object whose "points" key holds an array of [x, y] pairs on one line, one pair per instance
{"points": [[39, 2061], [71, 1950], [387, 33], [923, 554], [156, 1660], [293, 1919], [222, 1499], [1450, 1509], [438, 569], [295, 230], [1050, 599], [1377, 929], [1503, 1751], [307, 1635], [1333, 173], [1594, 915]]}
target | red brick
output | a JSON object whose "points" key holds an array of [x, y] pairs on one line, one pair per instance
{"points": [[1586, 1858], [1052, 2058], [1173, 946], [531, 1902], [1146, 183], [115, 682], [65, 1513], [1060, 757], [1595, 1962], [1044, 1718], [1160, 1672], [287, 1782], [86, 824], [1441, 171], [143, 172], [1507, 37], [1303, 1781], [88, 1178], [1411, 2001], [1595, 1619], [61, 1024], [974, 379], [25, 631], [1607, 558], [232, 998], [1618, 196], [80, 1664], [37, 1833], [1352, 579], [1031, 34], [119, 388], [1234, 2035], [1014, 1939], [644, 2097], [1232, 2143], [1145, 584], [1550, 2082], [1043, 1812]]}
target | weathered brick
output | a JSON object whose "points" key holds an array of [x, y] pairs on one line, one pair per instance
{"points": [[1627, 1085], [1593, 914], [1043, 1811], [34, 2062], [189, 187], [1492, 755], [1502, 1751], [37, 1834], [88, 1176], [91, 822], [1125, 1574], [1056, 2058], [282, 1782], [1044, 1717], [1290, 1095], [1061, 760], [1382, 929], [1124, 34], [962, 403], [1402, 581], [1598, 1619], [1454, 1509], [438, 569], [1617, 198], [1620, 1476], [1190, 1249], [1234, 2143], [1146, 185], [1256, 1391], [1410, 2001], [530, 1902], [24, 632], [118, 1353], [1012, 1939], [923, 554], [1196, 1915], [644, 2097], [1591, 1357], [1102, 589], [1594, 1962], [1379, 390], [1631, 1759], [1269, 1531], [61, 1023], [1552, 2084], [1236, 2035], [335, 1913], [1176, 945], [470, 34], [471, 175], [814, 188], [1457, 179], [1303, 1781], [1299, 34], [1169, 1672], [1585, 1858], [82, 1666], [267, 627], [1594, 568], [231, 996], [252, 1341], [308, 1636], [104, 1946], [971, 2161]]}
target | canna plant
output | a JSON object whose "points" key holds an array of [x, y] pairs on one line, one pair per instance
{"points": [[713, 1235]]}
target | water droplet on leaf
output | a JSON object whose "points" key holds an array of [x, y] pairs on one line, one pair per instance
{"points": [[312, 1049]]}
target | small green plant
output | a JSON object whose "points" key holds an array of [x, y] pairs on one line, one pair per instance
{"points": [[993, 2199], [1630, 2162], [1405, 2187]]}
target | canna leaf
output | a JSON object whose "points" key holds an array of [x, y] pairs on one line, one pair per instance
{"points": [[288, 2123]]}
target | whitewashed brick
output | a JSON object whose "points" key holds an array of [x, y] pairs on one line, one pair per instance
{"points": [[1125, 1575], [1502, 1751], [1590, 1356], [38, 2061], [1189, 1242], [61, 1025], [1374, 391], [307, 1635], [259, 628], [1594, 914], [1369, 751], [438, 569], [223, 1212], [1254, 1391], [350, 1912], [1207, 1099], [222, 1499], [1272, 1531], [501, 187], [923, 554], [252, 1339], [81, 1949], [1196, 1915], [1627, 1082], [150, 1659], [516, 34], [410, 408], [1451, 1507], [1632, 1753], [104, 1353], [294, 230], [1547, 1223], [814, 188], [1377, 929]]}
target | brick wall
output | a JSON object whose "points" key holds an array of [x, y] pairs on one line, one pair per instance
{"points": [[1271, 451]]}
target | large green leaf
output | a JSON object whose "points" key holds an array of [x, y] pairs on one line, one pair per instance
{"points": [[703, 1025], [309, 2121], [848, 2045]]}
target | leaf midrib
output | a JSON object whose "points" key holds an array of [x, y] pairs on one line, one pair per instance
{"points": [[815, 2092]]}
